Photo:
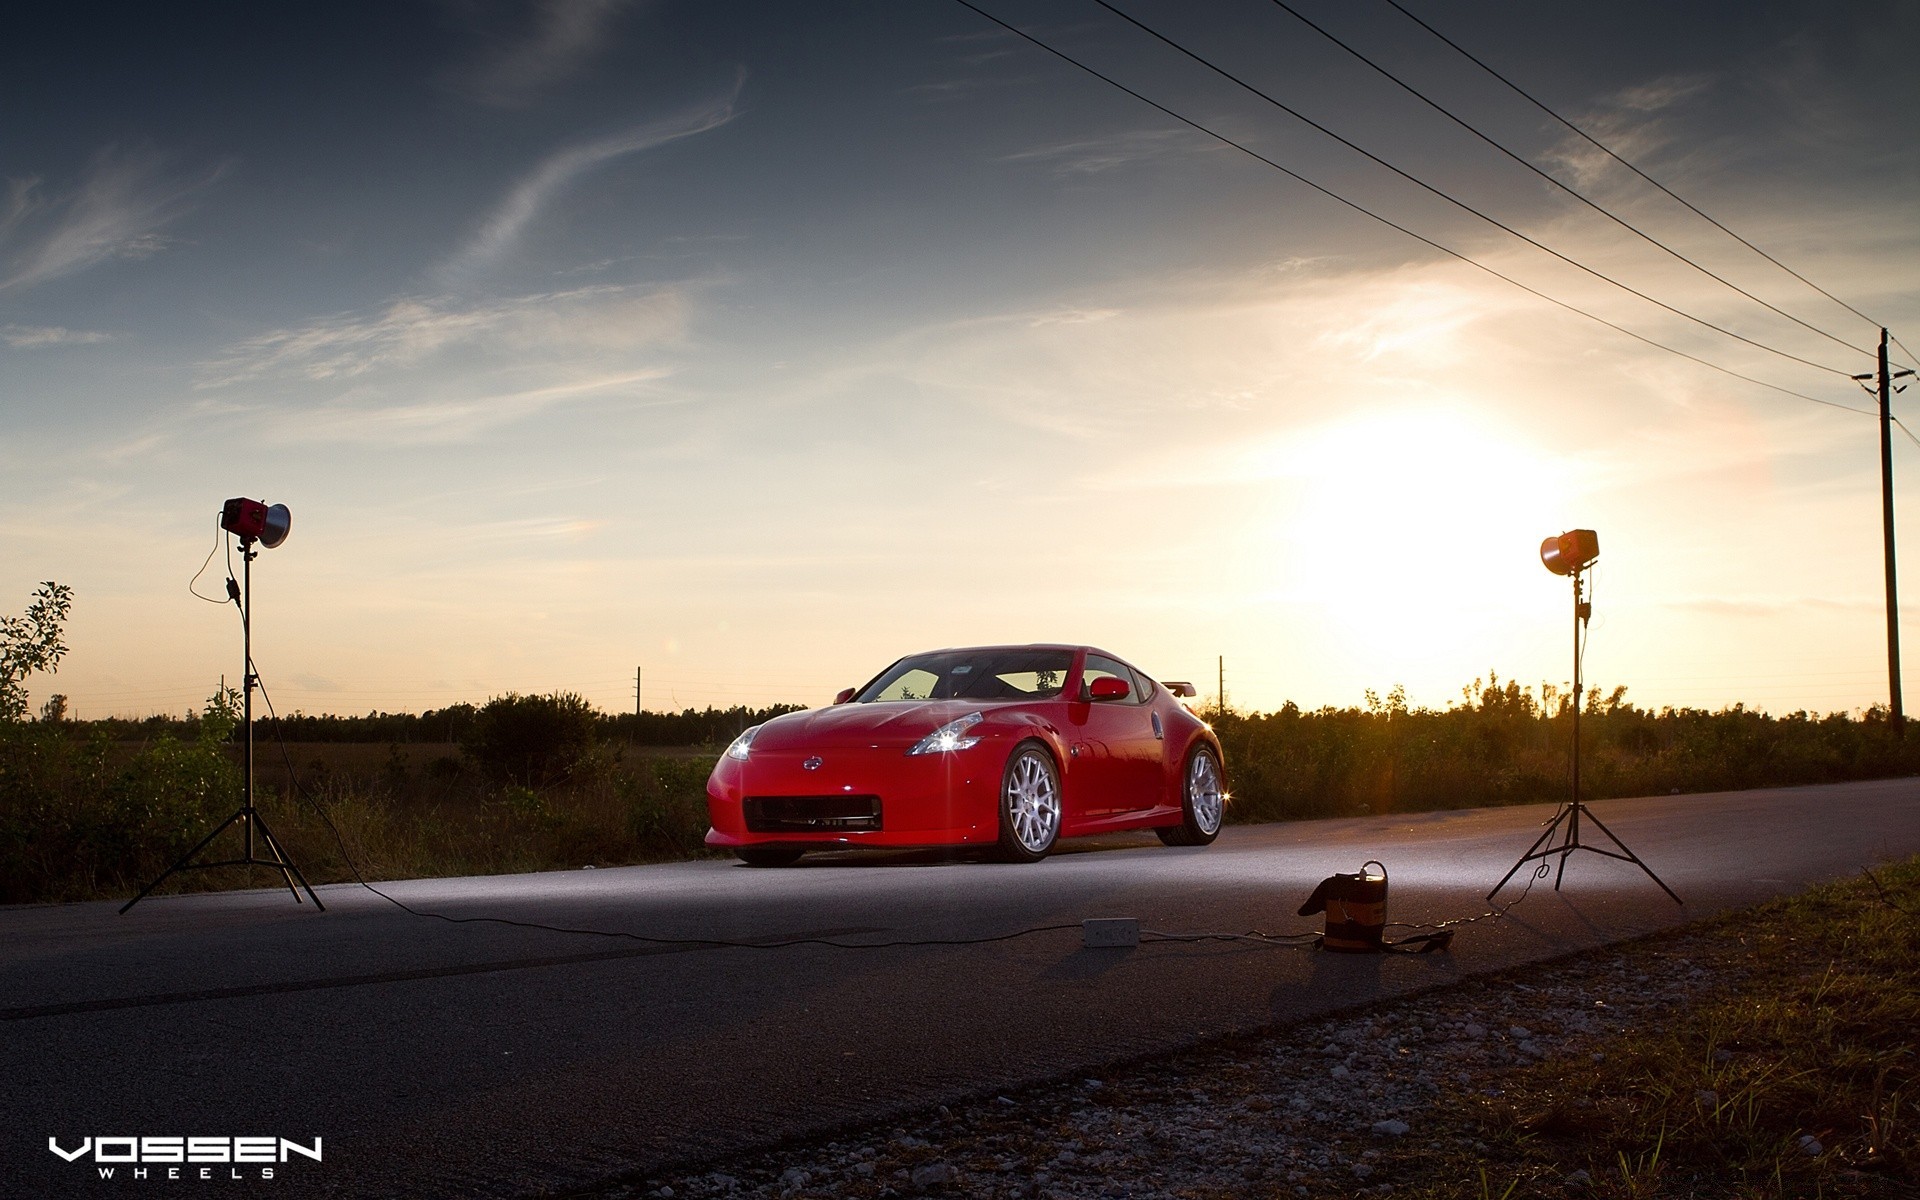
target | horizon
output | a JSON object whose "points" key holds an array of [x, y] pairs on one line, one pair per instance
{"points": [[756, 346]]}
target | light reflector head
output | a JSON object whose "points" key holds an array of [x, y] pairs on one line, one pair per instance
{"points": [[1570, 551], [279, 523], [252, 520]]}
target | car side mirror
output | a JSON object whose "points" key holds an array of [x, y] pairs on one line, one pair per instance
{"points": [[1107, 687], [844, 695]]}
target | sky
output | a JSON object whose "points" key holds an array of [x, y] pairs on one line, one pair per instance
{"points": [[754, 345]]}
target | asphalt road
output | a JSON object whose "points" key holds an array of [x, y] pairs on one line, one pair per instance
{"points": [[485, 1060]]}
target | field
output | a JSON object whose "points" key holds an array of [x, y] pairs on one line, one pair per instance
{"points": [[93, 809]]}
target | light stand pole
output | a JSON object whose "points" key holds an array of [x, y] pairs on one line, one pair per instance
{"points": [[248, 818], [1572, 554]]}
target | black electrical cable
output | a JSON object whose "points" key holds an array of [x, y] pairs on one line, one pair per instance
{"points": [[1610, 153], [1540, 872], [1391, 224], [709, 943], [1912, 358], [715, 943], [217, 531], [1905, 430], [1582, 197], [1456, 201]]}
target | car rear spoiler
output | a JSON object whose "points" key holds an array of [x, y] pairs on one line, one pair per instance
{"points": [[1180, 687]]}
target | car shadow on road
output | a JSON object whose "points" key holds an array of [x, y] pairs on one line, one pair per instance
{"points": [[943, 856]]}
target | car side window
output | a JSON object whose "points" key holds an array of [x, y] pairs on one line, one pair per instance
{"points": [[1101, 667], [1142, 686]]}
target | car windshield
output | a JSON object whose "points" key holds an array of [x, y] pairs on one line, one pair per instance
{"points": [[1019, 674]]}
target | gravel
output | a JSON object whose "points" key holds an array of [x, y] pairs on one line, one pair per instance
{"points": [[1303, 1110]]}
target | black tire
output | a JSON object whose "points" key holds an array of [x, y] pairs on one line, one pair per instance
{"points": [[1203, 798], [1030, 810], [767, 856]]}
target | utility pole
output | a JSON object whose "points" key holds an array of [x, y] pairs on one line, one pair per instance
{"points": [[1897, 712], [1221, 704], [636, 691]]}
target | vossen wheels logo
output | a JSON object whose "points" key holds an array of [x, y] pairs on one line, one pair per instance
{"points": [[186, 1157]]}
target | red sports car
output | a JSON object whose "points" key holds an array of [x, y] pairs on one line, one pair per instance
{"points": [[1007, 747]]}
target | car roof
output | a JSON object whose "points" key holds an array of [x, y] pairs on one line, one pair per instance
{"points": [[1069, 647]]}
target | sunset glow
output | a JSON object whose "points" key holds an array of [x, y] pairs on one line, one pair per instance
{"points": [[753, 346]]}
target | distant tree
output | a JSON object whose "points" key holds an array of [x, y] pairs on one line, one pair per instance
{"points": [[32, 643], [55, 709]]}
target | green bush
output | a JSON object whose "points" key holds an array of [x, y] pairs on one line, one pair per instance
{"points": [[72, 822], [1502, 744], [532, 741]]}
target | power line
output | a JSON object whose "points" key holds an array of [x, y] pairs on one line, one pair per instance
{"points": [[1456, 202], [1913, 359], [1565, 187], [1391, 224], [1609, 152]]}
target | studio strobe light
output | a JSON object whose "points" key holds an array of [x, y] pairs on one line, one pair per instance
{"points": [[251, 522], [1572, 553], [250, 519]]}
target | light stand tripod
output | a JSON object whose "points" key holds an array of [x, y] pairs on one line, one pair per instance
{"points": [[248, 818], [1566, 822]]}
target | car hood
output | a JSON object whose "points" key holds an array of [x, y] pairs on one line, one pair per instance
{"points": [[901, 722]]}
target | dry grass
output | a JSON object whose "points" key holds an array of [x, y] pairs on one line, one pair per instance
{"points": [[1800, 1080], [97, 821]]}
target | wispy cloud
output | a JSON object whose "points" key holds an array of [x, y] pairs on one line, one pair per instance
{"points": [[413, 329], [36, 337], [1092, 156], [460, 419], [525, 200], [559, 38], [117, 211], [1633, 122]]}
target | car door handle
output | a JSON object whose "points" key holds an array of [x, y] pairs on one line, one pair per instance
{"points": [[1157, 731]]}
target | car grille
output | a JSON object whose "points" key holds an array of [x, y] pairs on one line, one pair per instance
{"points": [[806, 814]]}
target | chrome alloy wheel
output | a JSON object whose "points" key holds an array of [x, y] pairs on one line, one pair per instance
{"points": [[1205, 798], [1032, 801]]}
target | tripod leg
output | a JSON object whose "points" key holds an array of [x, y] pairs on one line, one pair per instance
{"points": [[278, 861], [285, 863], [1533, 852], [1634, 858], [183, 862]]}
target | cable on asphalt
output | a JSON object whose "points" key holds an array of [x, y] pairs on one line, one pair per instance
{"points": [[707, 943]]}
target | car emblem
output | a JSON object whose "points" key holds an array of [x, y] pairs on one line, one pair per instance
{"points": [[812, 764]]}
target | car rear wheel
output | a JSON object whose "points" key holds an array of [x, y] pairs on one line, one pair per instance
{"points": [[1029, 804], [767, 856], [1203, 801]]}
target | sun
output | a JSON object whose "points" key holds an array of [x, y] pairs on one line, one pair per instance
{"points": [[1411, 535]]}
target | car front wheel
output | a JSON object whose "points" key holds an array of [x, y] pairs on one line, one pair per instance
{"points": [[1203, 801], [1029, 804]]}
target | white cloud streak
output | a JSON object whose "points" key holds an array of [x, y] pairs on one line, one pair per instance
{"points": [[525, 200], [457, 420], [1094, 156], [37, 337], [116, 212], [413, 329]]}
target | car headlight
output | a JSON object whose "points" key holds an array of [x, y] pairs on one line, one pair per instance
{"points": [[950, 736], [738, 750]]}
